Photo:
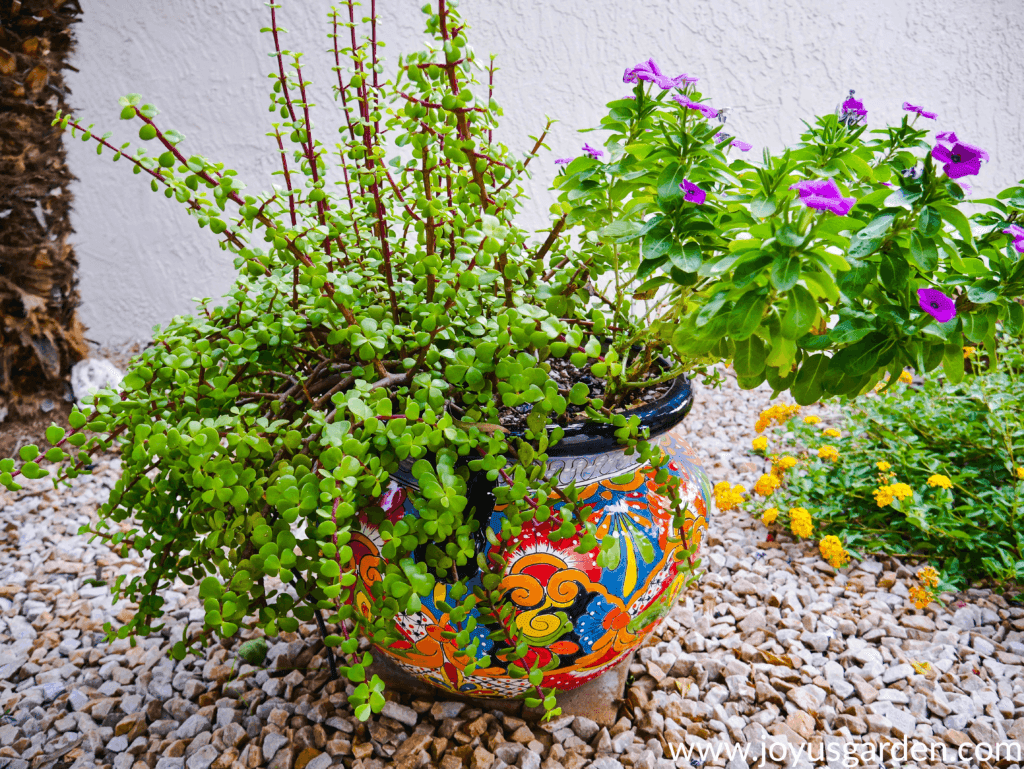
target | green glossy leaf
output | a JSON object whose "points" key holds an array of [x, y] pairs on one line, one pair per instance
{"points": [[923, 253], [746, 314], [749, 356], [785, 271], [807, 388], [801, 311]]}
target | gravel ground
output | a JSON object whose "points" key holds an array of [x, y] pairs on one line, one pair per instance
{"points": [[774, 649]]}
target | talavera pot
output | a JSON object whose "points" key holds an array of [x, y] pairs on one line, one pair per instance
{"points": [[544, 579]]}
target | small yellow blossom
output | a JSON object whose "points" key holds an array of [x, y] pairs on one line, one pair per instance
{"points": [[778, 414], [829, 452], [812, 420], [905, 377], [928, 576], [832, 551], [760, 443], [766, 484], [941, 481], [969, 351], [883, 466], [800, 522], [883, 496], [769, 515], [1020, 473], [832, 433], [923, 668], [783, 464], [920, 596], [901, 491], [727, 497]]}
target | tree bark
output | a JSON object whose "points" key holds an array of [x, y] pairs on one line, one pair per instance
{"points": [[40, 334]]}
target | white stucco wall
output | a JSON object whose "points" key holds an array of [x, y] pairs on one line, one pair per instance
{"points": [[773, 62]]}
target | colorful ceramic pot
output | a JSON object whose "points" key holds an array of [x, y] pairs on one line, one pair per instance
{"points": [[611, 609]]}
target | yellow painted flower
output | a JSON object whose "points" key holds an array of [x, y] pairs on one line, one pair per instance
{"points": [[969, 351], [832, 433], [760, 443], [920, 596], [766, 484], [727, 497], [905, 377], [940, 481], [923, 668], [829, 452], [928, 576], [800, 522], [901, 491], [769, 515], [812, 420], [883, 466], [832, 551], [883, 496]]}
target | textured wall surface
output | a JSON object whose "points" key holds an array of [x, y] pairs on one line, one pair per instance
{"points": [[772, 62]]}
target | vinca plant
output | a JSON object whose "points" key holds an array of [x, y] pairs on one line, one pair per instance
{"points": [[389, 307]]}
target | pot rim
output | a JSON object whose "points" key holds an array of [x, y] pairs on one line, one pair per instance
{"points": [[588, 437]]}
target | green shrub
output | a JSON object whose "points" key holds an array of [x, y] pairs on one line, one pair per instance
{"points": [[932, 470]]}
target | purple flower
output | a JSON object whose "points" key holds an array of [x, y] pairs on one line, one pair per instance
{"points": [[913, 108], [693, 193], [959, 160], [856, 106], [824, 195], [563, 161], [852, 111], [649, 71], [704, 109], [593, 151], [936, 304], [1017, 233], [741, 146], [947, 136]]}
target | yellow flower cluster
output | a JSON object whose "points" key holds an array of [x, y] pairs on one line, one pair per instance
{"points": [[769, 515], [832, 433], [829, 452], [727, 497], [800, 522], [928, 576], [812, 420], [901, 491], [905, 377], [1020, 473], [884, 495], [766, 484], [778, 414], [920, 596], [760, 443], [883, 466], [941, 481], [832, 551], [969, 351], [784, 463]]}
